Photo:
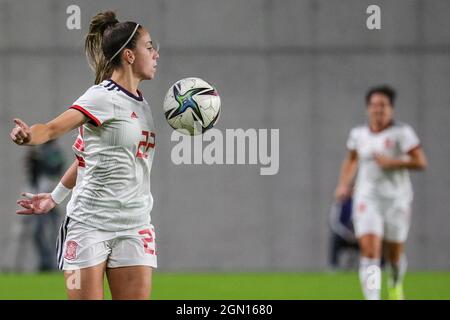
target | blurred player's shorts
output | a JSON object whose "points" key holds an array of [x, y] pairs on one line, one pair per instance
{"points": [[388, 218]]}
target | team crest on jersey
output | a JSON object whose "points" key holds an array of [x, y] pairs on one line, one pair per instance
{"points": [[362, 207], [388, 143], [71, 250]]}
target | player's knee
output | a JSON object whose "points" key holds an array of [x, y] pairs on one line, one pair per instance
{"points": [[370, 251], [370, 254]]}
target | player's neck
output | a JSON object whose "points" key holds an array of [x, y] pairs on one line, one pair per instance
{"points": [[126, 80], [378, 127]]}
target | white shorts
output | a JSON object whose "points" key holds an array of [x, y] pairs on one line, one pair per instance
{"points": [[387, 218], [81, 246]]}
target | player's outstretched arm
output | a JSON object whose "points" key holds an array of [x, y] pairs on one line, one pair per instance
{"points": [[40, 133], [44, 202], [348, 171]]}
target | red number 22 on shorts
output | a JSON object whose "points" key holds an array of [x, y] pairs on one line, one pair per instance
{"points": [[148, 241]]}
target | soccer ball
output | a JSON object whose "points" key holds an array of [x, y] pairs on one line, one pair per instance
{"points": [[192, 106]]}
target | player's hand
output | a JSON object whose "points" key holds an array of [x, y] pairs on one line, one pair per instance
{"points": [[21, 133], [385, 162], [40, 203], [342, 193]]}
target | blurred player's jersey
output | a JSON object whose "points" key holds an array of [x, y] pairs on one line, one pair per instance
{"points": [[395, 142], [115, 151]]}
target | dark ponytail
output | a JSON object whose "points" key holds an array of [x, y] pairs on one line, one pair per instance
{"points": [[106, 36], [93, 44]]}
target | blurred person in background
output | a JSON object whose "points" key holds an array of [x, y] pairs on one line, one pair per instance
{"points": [[44, 166], [343, 242], [383, 151]]}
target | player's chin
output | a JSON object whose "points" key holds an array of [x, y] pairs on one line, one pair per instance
{"points": [[379, 118], [150, 75]]}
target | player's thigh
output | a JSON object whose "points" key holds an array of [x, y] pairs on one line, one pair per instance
{"points": [[397, 220], [367, 217], [132, 258], [368, 224], [130, 283], [85, 283]]}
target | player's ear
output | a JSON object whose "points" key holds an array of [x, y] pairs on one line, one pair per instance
{"points": [[128, 56]]}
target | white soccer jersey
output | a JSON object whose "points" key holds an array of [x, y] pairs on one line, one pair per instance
{"points": [[395, 142], [115, 151]]}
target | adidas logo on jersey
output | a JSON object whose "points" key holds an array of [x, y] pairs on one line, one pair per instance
{"points": [[134, 115]]}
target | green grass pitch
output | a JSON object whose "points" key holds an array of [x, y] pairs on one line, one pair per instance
{"points": [[342, 285]]}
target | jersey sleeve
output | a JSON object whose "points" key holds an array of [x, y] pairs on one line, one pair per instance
{"points": [[352, 140], [95, 104], [408, 139]]}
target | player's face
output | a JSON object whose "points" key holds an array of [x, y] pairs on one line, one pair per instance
{"points": [[380, 110], [146, 56]]}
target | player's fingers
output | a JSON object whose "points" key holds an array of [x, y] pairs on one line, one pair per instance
{"points": [[28, 195], [17, 135], [27, 211], [29, 208], [18, 141], [13, 136], [17, 121], [15, 131], [21, 133], [20, 123], [25, 203]]}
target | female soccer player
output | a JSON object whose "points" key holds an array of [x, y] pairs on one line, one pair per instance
{"points": [[108, 226], [383, 151]]}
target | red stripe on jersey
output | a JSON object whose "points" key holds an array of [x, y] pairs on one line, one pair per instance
{"points": [[81, 162], [79, 144], [87, 114], [414, 148]]}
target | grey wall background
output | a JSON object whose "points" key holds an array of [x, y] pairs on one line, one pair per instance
{"points": [[297, 65]]}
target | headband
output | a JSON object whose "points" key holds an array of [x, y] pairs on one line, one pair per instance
{"points": [[126, 42]]}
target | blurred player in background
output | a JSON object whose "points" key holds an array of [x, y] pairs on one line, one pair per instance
{"points": [[108, 226], [342, 237], [45, 165], [382, 151]]}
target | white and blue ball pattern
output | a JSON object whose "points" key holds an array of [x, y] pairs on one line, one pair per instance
{"points": [[192, 106]]}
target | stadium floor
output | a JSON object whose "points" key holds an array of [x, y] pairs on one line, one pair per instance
{"points": [[418, 285]]}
